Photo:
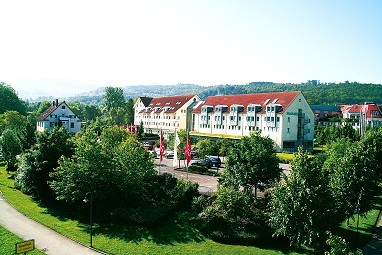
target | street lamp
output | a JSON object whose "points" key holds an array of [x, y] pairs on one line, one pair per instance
{"points": [[90, 200]]}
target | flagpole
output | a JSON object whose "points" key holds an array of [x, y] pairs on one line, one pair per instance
{"points": [[173, 167]]}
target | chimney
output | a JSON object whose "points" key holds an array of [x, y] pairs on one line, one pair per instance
{"points": [[53, 103], [56, 102]]}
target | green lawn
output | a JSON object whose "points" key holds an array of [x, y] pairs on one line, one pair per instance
{"points": [[366, 225], [175, 236], [8, 242], [285, 157]]}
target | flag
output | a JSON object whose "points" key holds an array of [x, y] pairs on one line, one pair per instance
{"points": [[162, 146], [188, 149], [176, 144]]}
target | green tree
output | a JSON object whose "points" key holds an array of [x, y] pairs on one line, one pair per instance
{"points": [[130, 111], [205, 147], [12, 120], [10, 101], [371, 147], [114, 98], [10, 147], [115, 105], [252, 164], [36, 164], [225, 219], [91, 112], [23, 126], [300, 207], [104, 165], [339, 246]]}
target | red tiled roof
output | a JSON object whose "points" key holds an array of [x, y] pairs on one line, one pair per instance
{"points": [[372, 111], [172, 103], [283, 98], [355, 108]]}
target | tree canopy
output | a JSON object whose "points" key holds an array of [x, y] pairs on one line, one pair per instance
{"points": [[300, 208], [10, 100], [252, 163]]}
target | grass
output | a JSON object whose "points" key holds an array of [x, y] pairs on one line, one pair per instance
{"points": [[285, 157], [175, 235], [366, 225], [8, 242]]}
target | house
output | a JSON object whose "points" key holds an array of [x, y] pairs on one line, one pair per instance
{"points": [[361, 116], [323, 113], [165, 113], [370, 116], [56, 115], [285, 117]]}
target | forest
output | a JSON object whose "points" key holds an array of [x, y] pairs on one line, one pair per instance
{"points": [[315, 91]]}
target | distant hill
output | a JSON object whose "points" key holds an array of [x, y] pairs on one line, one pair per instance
{"points": [[314, 91]]}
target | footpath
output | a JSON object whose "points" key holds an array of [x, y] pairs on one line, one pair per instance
{"points": [[46, 239], [375, 245]]}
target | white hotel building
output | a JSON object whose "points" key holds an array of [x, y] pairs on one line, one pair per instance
{"points": [[165, 113], [285, 117]]}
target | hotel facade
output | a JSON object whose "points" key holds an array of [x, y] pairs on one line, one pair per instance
{"points": [[285, 117], [165, 113]]}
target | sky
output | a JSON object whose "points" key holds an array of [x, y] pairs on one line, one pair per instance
{"points": [[74, 46]]}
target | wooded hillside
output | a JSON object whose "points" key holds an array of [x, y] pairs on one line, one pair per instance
{"points": [[314, 91]]}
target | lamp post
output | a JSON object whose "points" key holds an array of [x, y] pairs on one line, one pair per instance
{"points": [[90, 200]]}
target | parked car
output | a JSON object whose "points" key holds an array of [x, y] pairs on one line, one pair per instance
{"points": [[202, 162], [170, 154], [148, 146], [154, 154], [215, 161]]}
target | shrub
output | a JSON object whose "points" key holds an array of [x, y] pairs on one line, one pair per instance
{"points": [[161, 195], [226, 221], [198, 169]]}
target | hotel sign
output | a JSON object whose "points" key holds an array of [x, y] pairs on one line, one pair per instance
{"points": [[25, 246]]}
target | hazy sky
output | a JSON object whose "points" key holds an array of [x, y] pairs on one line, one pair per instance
{"points": [[205, 42]]}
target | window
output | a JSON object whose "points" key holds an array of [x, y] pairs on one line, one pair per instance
{"points": [[288, 130], [63, 107], [288, 119], [72, 125], [278, 119]]}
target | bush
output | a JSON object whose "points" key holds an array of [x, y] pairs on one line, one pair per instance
{"points": [[161, 195], [198, 169], [226, 221]]}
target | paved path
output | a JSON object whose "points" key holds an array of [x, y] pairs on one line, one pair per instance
{"points": [[375, 245], [46, 239]]}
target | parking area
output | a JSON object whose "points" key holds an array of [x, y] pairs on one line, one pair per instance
{"points": [[207, 184]]}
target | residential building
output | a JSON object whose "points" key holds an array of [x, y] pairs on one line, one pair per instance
{"points": [[323, 113], [370, 116], [56, 115], [285, 117], [362, 116], [165, 113]]}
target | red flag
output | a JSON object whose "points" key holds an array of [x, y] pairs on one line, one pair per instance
{"points": [[162, 146], [188, 149]]}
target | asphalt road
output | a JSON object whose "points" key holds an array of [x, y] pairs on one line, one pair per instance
{"points": [[206, 183]]}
